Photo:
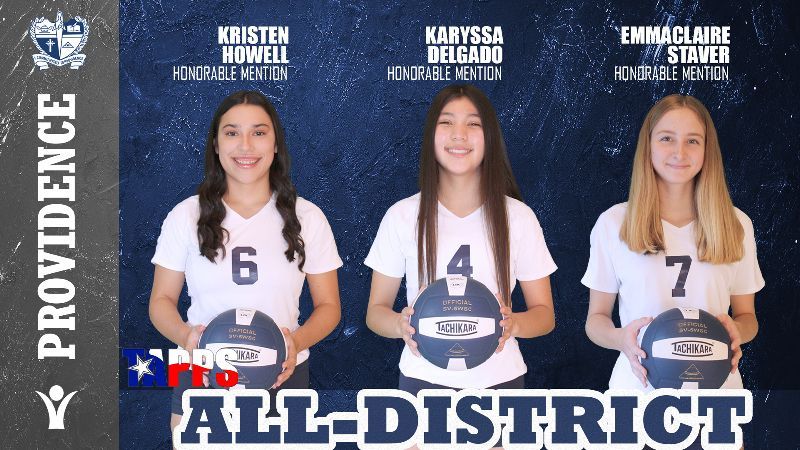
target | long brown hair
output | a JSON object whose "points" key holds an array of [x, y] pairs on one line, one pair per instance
{"points": [[718, 233], [212, 211], [497, 182]]}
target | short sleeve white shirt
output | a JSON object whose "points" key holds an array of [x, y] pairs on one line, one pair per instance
{"points": [[648, 285], [254, 272], [394, 253]]}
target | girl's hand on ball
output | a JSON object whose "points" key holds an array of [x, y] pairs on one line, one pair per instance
{"points": [[406, 330], [291, 359], [508, 325], [736, 339], [630, 347], [193, 338]]}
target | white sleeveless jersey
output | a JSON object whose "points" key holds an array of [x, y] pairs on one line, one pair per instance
{"points": [[463, 248], [254, 272], [648, 285]]}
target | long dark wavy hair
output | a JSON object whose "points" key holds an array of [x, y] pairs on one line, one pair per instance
{"points": [[212, 211], [497, 182]]}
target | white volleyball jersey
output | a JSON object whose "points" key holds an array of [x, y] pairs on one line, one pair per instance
{"points": [[648, 285], [463, 248], [254, 272]]}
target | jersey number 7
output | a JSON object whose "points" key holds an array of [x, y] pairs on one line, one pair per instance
{"points": [[686, 262]]}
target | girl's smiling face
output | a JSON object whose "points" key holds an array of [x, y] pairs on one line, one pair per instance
{"points": [[246, 144], [458, 142], [678, 146]]}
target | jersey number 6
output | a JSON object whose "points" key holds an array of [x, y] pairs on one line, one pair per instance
{"points": [[237, 265]]}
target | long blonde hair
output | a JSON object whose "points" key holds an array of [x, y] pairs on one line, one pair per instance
{"points": [[718, 233]]}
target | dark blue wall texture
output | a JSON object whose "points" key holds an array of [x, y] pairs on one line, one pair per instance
{"points": [[570, 130]]}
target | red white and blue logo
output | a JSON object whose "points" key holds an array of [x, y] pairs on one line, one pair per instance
{"points": [[59, 43], [147, 368]]}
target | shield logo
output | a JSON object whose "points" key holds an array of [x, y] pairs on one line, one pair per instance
{"points": [[60, 43]]}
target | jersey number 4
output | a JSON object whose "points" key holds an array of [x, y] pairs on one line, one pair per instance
{"points": [[459, 265], [238, 265], [685, 262]]}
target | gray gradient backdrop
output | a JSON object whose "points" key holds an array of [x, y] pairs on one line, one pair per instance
{"points": [[91, 417]]}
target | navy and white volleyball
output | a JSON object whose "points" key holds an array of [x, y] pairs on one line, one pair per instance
{"points": [[256, 339], [686, 348], [457, 320]]}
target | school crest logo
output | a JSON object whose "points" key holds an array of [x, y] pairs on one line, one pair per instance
{"points": [[60, 43]]}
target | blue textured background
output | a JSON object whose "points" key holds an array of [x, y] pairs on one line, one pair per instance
{"points": [[570, 129]]}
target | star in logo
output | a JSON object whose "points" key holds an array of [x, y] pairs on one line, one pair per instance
{"points": [[142, 367]]}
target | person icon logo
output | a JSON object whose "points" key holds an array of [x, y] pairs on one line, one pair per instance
{"points": [[56, 415]]}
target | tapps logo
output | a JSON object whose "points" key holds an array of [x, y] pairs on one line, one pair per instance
{"points": [[60, 43]]}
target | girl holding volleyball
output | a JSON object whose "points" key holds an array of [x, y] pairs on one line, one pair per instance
{"points": [[467, 219], [246, 241], [677, 242]]}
